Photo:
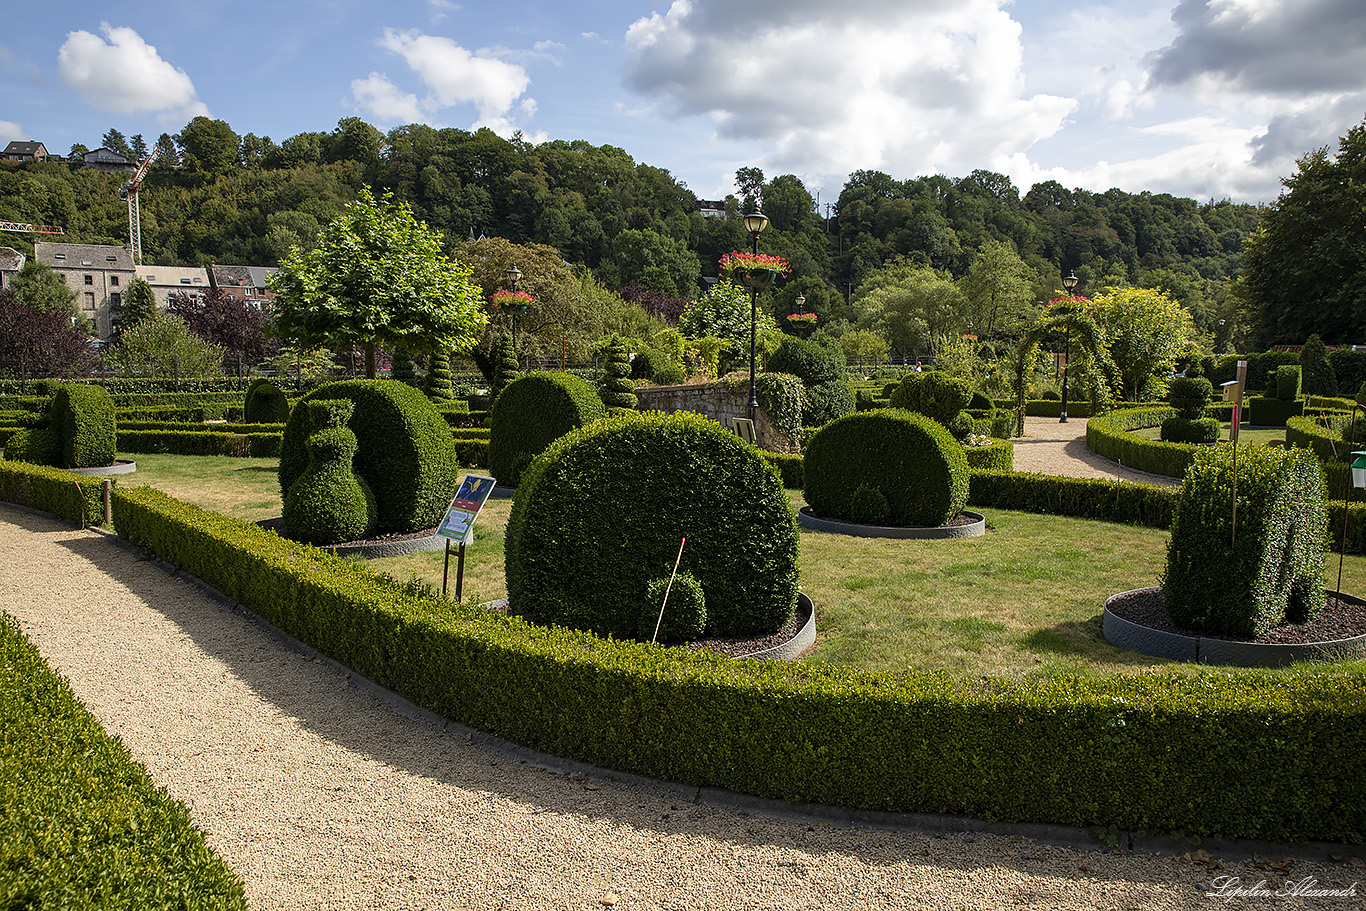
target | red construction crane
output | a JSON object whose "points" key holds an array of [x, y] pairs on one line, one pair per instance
{"points": [[29, 229], [129, 191]]}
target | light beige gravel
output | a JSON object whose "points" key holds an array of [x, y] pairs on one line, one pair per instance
{"points": [[322, 796], [1052, 447]]}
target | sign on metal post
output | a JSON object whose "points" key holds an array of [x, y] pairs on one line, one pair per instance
{"points": [[458, 524]]}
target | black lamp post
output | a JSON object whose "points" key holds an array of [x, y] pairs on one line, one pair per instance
{"points": [[754, 224], [514, 307], [1070, 283]]}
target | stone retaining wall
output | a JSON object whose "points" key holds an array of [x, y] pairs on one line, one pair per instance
{"points": [[718, 403]]}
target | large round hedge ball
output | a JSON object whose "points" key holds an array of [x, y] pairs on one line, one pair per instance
{"points": [[916, 464], [404, 451], [600, 513], [531, 413]]}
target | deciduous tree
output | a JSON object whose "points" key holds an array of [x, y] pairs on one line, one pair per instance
{"points": [[1145, 331]]}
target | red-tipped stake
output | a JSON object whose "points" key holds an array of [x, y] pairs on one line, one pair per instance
{"points": [[668, 588]]}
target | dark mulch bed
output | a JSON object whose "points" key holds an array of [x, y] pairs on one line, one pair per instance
{"points": [[277, 525], [960, 519], [1339, 619]]}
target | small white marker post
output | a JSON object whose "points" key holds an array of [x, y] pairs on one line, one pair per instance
{"points": [[668, 588]]}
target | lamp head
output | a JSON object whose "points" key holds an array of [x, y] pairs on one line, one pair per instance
{"points": [[755, 222], [1070, 282], [514, 274]]}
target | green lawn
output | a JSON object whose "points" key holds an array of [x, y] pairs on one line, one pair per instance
{"points": [[1247, 436], [1023, 600]]}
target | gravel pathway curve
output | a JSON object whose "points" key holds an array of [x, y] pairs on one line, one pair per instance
{"points": [[323, 796], [1052, 447]]}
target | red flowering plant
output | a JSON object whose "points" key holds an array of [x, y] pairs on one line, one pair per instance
{"points": [[510, 300], [806, 319], [739, 261]]}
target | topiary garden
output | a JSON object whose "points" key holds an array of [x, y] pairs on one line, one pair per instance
{"points": [[78, 429], [532, 412]]}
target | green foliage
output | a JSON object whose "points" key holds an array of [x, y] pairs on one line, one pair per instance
{"points": [[1145, 333], [228, 442], [506, 367], [934, 394], [139, 303], [1317, 371], [684, 615], [1147, 505], [724, 312], [1108, 436], [404, 451], [1191, 430], [992, 454], [162, 347], [615, 388], [821, 370], [78, 430], [783, 399], [602, 511], [1190, 396], [908, 305], [1271, 411], [533, 412], [401, 367], [265, 403], [377, 276], [40, 288], [1243, 580], [1286, 385], [82, 825], [75, 498], [329, 503], [919, 468], [437, 384], [868, 506]]}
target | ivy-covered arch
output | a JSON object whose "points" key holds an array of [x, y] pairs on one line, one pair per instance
{"points": [[1085, 335]]}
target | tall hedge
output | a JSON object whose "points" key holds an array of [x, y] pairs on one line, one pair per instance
{"points": [[531, 413], [912, 459], [1271, 570], [404, 451], [601, 513], [265, 404], [79, 430]]}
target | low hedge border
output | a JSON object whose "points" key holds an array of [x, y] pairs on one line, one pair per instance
{"points": [[1326, 442], [1213, 754], [81, 823], [53, 491], [201, 442], [1109, 435]]}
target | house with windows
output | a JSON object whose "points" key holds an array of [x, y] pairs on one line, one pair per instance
{"points": [[168, 280], [11, 261], [244, 283], [99, 274], [106, 160], [18, 150]]}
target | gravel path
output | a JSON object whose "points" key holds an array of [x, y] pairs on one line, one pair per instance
{"points": [[1052, 447], [323, 795]]}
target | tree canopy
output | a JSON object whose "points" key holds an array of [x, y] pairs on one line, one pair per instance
{"points": [[1145, 332], [377, 276]]}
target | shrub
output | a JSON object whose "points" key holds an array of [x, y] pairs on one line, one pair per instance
{"points": [[990, 454], [827, 401], [1273, 570], [401, 367], [1270, 411], [1191, 430], [1190, 396], [436, 385], [534, 411], [265, 404], [918, 466], [329, 503], [810, 362], [655, 366], [934, 394], [1317, 371], [52, 490], [403, 451], [868, 506], [1286, 383], [684, 617], [506, 367], [78, 430], [600, 513], [615, 388]]}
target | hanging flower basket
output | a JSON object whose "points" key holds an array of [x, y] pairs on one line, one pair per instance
{"points": [[511, 301], [753, 270], [802, 323]]}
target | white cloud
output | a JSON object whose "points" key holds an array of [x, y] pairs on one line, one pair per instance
{"points": [[451, 75], [123, 74], [11, 131], [908, 88]]}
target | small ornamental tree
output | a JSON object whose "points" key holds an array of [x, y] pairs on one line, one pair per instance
{"points": [[401, 367], [1190, 396], [615, 388], [437, 384], [1318, 375], [35, 343], [505, 367]]}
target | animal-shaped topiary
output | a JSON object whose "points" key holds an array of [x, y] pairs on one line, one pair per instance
{"points": [[265, 404], [532, 412], [936, 395], [599, 515], [329, 503], [1272, 569], [910, 459], [78, 430]]}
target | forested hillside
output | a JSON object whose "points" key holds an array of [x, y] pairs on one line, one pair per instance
{"points": [[215, 196]]}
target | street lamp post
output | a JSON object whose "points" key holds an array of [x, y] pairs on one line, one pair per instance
{"points": [[514, 307], [1069, 283], [754, 224]]}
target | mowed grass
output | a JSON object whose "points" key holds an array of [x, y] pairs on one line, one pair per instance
{"points": [[1247, 436], [1024, 600]]}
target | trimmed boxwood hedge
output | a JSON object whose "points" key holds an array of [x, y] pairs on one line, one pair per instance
{"points": [[600, 514], [1108, 435], [53, 490], [912, 459], [531, 413], [1215, 754], [82, 826], [78, 430], [201, 442], [265, 404], [404, 451]]}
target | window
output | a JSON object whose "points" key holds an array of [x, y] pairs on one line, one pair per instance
{"points": [[113, 281], [61, 256], [198, 280], [115, 300], [110, 259], [151, 278], [90, 279], [89, 301]]}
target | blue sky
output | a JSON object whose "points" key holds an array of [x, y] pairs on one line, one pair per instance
{"points": [[1210, 99]]}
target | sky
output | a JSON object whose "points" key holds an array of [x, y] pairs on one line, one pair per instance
{"points": [[1208, 99]]}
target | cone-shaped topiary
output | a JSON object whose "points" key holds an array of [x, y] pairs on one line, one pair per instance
{"points": [[615, 388], [265, 404], [505, 367], [1317, 371], [911, 459], [437, 385], [1272, 570], [401, 367], [600, 513], [534, 411], [329, 503], [404, 451]]}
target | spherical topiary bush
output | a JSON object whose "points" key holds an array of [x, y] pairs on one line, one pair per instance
{"points": [[1272, 570], [934, 394], [600, 514], [265, 404], [684, 616], [329, 503], [404, 451], [531, 413], [912, 460]]}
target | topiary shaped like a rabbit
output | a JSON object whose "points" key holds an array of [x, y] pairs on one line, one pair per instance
{"points": [[329, 503]]}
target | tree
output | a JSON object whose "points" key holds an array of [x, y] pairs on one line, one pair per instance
{"points": [[208, 146], [1305, 268], [237, 326], [1000, 290], [36, 343], [377, 276], [1145, 331], [909, 305], [138, 303], [114, 141], [723, 312], [161, 347], [1318, 375], [40, 288]]}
